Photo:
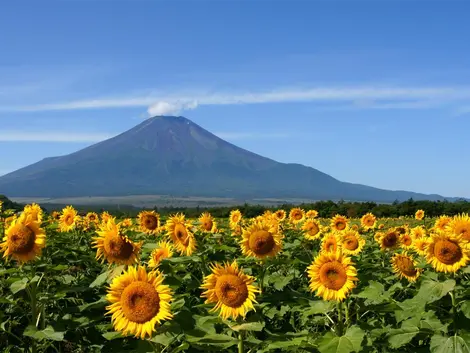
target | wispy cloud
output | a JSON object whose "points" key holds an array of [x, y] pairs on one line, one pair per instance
{"points": [[52, 136], [380, 96]]}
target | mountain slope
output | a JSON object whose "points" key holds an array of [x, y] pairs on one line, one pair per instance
{"points": [[174, 156]]}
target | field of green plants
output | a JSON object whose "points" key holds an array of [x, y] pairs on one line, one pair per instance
{"points": [[284, 283]]}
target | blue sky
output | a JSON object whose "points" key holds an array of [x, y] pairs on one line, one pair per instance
{"points": [[373, 92]]}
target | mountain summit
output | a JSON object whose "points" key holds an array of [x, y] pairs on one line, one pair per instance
{"points": [[167, 155]]}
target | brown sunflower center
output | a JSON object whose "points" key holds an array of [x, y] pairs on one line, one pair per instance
{"points": [[158, 255], [207, 225], [351, 242], [261, 242], [464, 231], [182, 234], [297, 216], [140, 302], [231, 290], [447, 252], [369, 222], [21, 239], [340, 225], [406, 240], [313, 228], [406, 266], [151, 222], [330, 245], [390, 240], [69, 219], [118, 247], [333, 275]]}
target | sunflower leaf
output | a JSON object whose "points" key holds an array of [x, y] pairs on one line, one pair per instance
{"points": [[453, 344], [19, 285], [350, 342], [430, 290], [248, 326]]}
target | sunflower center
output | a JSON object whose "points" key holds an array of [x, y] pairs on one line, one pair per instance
{"points": [[68, 219], [390, 240], [140, 302], [151, 222], [182, 234], [231, 290], [118, 247], [340, 225], [22, 239], [207, 225], [330, 245], [406, 266], [313, 229], [464, 231], [351, 243], [447, 252], [333, 275], [297, 216], [369, 222], [262, 242]]}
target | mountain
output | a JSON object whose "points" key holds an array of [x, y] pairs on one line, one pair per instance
{"points": [[168, 155]]}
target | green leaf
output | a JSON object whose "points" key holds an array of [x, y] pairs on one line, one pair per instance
{"points": [[163, 338], [280, 282], [19, 285], [453, 344], [430, 290], [465, 308], [432, 323], [399, 337], [98, 304], [112, 335], [249, 326], [215, 340], [100, 280], [48, 333], [350, 342], [374, 293], [297, 342]]}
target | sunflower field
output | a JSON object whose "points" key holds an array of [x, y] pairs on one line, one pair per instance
{"points": [[280, 282]]}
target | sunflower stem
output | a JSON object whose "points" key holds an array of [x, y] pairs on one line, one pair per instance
{"points": [[339, 325], [240, 342], [33, 300], [263, 273], [346, 309], [454, 311]]}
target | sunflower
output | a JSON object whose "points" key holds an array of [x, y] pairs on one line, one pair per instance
{"points": [[381, 226], [231, 289], [311, 214], [296, 215], [378, 236], [92, 217], [164, 250], [329, 243], [235, 218], [55, 215], [312, 229], [460, 225], [402, 229], [447, 252], [406, 241], [420, 245], [178, 230], [355, 227], [390, 240], [105, 216], [368, 221], [280, 215], [332, 275], [139, 300], [24, 239], [339, 223], [115, 247], [207, 223], [405, 266], [351, 242], [34, 211], [149, 221], [68, 219], [442, 222], [418, 232], [126, 223], [261, 240], [419, 215]]}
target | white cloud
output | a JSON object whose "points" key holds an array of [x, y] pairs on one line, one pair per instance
{"points": [[382, 98], [52, 136]]}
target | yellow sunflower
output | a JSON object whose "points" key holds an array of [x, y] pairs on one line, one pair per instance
{"points": [[92, 217], [419, 215], [178, 230], [460, 225], [105, 216], [351, 242], [381, 226], [447, 252], [280, 215], [261, 240], [115, 247], [420, 245], [390, 240], [418, 232], [164, 250], [235, 218], [207, 223], [332, 275], [405, 267], [68, 219], [55, 215], [311, 214], [126, 223], [378, 236], [368, 221], [442, 222], [34, 211], [231, 289], [339, 223], [24, 239], [139, 301], [406, 241], [149, 221], [329, 243], [296, 215], [311, 229]]}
